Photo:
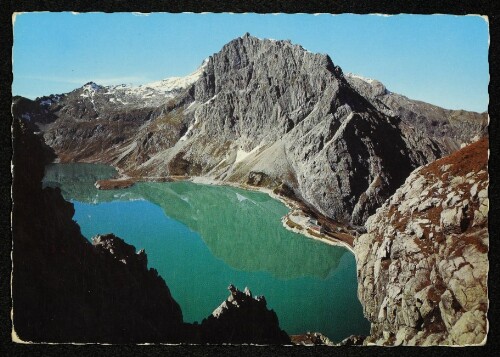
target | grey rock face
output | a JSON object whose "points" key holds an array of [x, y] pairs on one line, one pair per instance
{"points": [[289, 114], [449, 129], [422, 273], [256, 107]]}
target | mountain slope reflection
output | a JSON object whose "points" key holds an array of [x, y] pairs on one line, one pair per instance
{"points": [[242, 228]]}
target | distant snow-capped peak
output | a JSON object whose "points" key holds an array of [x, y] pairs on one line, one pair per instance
{"points": [[149, 94], [175, 83]]}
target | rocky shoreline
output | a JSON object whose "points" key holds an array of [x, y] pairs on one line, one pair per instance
{"points": [[295, 206]]}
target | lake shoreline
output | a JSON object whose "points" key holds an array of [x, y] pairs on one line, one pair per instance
{"points": [[289, 221], [292, 205]]}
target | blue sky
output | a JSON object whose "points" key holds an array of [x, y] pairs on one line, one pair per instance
{"points": [[439, 59]]}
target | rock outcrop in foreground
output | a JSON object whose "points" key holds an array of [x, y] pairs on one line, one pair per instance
{"points": [[242, 318], [423, 264]]}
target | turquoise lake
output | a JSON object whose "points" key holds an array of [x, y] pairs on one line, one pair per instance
{"points": [[201, 238]]}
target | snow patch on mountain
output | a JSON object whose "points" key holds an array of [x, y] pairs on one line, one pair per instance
{"points": [[190, 129], [174, 84], [367, 80], [145, 95]]}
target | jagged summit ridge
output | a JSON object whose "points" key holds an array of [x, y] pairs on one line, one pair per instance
{"points": [[247, 52], [449, 129]]}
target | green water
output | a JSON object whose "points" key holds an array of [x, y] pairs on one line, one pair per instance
{"points": [[201, 238]]}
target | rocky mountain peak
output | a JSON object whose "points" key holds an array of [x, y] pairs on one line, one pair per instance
{"points": [[244, 319], [247, 50], [371, 86], [91, 85], [448, 129]]}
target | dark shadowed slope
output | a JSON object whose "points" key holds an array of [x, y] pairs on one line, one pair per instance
{"points": [[68, 290]]}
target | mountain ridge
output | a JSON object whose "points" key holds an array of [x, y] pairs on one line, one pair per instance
{"points": [[258, 107]]}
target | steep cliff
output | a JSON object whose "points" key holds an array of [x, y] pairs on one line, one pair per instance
{"points": [[423, 263], [261, 112]]}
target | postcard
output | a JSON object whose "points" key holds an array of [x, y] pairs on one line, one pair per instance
{"points": [[286, 179]]}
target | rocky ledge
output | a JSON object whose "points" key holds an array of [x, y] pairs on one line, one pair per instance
{"points": [[423, 264], [242, 318]]}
